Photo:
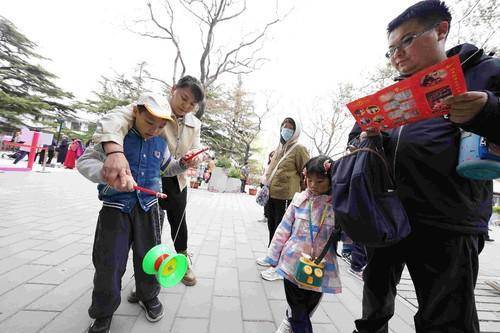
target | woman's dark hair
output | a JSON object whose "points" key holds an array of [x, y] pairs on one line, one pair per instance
{"points": [[290, 121], [194, 85], [320, 166]]}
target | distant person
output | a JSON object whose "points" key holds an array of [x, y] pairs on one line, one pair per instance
{"points": [[62, 149], [244, 172], [265, 208], [210, 168], [74, 152]]}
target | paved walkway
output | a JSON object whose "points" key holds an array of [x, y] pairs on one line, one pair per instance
{"points": [[47, 223]]}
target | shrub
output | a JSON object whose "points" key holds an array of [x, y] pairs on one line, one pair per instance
{"points": [[223, 162], [234, 173], [496, 209]]}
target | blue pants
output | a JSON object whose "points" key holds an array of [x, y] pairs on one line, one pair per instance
{"points": [[115, 233]]}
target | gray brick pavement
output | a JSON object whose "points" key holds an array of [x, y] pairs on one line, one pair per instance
{"points": [[47, 223]]}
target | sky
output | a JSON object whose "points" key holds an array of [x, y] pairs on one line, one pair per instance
{"points": [[319, 44]]}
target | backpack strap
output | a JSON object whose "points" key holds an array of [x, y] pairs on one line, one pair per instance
{"points": [[334, 239]]}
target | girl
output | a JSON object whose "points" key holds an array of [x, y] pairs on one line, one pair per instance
{"points": [[300, 237]]}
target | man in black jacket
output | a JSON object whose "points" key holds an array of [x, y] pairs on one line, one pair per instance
{"points": [[448, 213]]}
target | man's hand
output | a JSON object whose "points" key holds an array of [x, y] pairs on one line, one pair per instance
{"points": [[369, 132], [466, 106]]}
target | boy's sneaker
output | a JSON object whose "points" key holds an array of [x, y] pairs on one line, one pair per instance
{"points": [[270, 274], [284, 327], [262, 262], [100, 325], [358, 274], [153, 309]]}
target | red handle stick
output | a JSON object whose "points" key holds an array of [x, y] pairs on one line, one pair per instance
{"points": [[196, 154], [156, 194]]}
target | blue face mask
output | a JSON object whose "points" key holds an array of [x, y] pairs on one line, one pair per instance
{"points": [[287, 133]]}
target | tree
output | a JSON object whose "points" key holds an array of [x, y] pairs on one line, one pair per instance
{"points": [[476, 22], [215, 59], [26, 88], [234, 124], [117, 91], [327, 127]]}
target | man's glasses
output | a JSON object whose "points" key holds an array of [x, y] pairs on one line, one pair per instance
{"points": [[406, 42]]}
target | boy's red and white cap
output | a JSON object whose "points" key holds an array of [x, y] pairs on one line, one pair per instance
{"points": [[162, 111]]}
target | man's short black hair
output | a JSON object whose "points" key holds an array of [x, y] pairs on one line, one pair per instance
{"points": [[194, 84], [427, 12]]}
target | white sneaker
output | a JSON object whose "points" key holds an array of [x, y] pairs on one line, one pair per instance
{"points": [[270, 274], [262, 262], [284, 327]]}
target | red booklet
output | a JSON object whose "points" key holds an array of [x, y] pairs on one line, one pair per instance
{"points": [[416, 98]]}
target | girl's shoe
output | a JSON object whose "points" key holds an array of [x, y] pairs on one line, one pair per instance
{"points": [[270, 275], [284, 327], [261, 262], [101, 325]]}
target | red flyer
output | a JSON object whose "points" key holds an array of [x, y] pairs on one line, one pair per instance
{"points": [[417, 98]]}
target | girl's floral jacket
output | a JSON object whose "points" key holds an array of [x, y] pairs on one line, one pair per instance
{"points": [[292, 238]]}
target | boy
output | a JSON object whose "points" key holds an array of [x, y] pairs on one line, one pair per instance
{"points": [[129, 218]]}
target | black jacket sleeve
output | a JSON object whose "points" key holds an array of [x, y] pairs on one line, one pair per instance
{"points": [[487, 122]]}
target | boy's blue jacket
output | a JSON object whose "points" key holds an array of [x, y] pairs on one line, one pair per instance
{"points": [[146, 158]]}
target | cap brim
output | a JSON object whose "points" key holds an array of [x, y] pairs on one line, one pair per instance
{"points": [[156, 113]]}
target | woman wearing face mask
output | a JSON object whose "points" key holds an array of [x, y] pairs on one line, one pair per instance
{"points": [[288, 160]]}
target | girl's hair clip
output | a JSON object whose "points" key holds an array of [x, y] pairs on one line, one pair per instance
{"points": [[304, 172], [327, 164]]}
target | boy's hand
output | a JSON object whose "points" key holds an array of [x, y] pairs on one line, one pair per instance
{"points": [[124, 182], [466, 106]]}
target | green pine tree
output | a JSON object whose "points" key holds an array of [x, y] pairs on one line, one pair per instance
{"points": [[25, 87]]}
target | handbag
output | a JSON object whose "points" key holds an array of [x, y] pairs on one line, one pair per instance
{"points": [[263, 195], [364, 196]]}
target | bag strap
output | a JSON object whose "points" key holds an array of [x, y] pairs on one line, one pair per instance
{"points": [[373, 151], [268, 181], [334, 239]]}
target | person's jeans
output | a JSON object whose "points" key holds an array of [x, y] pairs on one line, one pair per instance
{"points": [[20, 155]]}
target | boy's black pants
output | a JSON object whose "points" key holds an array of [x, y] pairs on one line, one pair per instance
{"points": [[302, 304], [175, 205], [443, 266], [115, 233]]}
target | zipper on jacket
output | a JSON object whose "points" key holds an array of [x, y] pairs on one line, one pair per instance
{"points": [[395, 154]]}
